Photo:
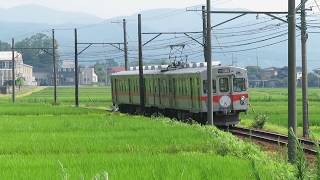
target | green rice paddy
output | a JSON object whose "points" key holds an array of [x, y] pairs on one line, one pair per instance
{"points": [[274, 104], [42, 141]]}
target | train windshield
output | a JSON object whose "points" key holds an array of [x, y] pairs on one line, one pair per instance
{"points": [[224, 84], [239, 85]]}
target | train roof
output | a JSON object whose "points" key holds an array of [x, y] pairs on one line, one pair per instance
{"points": [[174, 71]]}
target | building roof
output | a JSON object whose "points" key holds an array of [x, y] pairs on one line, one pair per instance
{"points": [[7, 55], [117, 69]]}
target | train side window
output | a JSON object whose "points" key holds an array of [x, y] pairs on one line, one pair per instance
{"points": [[121, 86], [164, 86], [174, 86], [186, 86], [125, 86], [182, 87], [224, 84], [178, 86], [205, 86]]}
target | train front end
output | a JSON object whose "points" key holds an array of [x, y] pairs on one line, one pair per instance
{"points": [[230, 98]]}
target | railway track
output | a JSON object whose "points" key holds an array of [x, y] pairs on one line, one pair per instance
{"points": [[273, 138]]}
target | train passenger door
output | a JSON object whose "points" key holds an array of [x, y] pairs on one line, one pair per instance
{"points": [[174, 88]]}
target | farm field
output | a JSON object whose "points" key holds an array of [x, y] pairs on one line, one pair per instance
{"points": [[274, 102], [89, 96], [271, 102], [41, 141]]}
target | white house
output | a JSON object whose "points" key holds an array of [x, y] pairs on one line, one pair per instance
{"points": [[88, 76], [21, 70]]}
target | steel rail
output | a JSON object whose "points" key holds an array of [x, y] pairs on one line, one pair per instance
{"points": [[270, 137]]}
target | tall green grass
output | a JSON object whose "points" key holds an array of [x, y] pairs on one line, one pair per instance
{"points": [[41, 141]]}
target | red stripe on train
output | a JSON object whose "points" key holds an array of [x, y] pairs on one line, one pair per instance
{"points": [[236, 97]]}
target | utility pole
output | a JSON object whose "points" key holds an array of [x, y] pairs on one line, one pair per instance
{"points": [[125, 44], [204, 28], [304, 38], [209, 64], [141, 80], [54, 67], [234, 60], [292, 114], [76, 74], [13, 73]]}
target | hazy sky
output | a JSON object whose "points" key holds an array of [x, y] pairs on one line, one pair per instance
{"points": [[111, 8]]}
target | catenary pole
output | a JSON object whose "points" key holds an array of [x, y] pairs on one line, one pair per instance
{"points": [[13, 73], [54, 66], [292, 122], [204, 28], [76, 79], [141, 80], [125, 44], [209, 64], [304, 38]]}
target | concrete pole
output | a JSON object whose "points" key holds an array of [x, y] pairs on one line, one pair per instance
{"points": [[304, 38], [292, 114], [13, 73], [141, 80], [125, 41], [209, 64], [54, 67], [204, 31], [76, 73]]}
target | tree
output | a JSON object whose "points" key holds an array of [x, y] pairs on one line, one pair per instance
{"points": [[100, 70], [4, 46], [40, 60], [314, 80], [20, 82]]}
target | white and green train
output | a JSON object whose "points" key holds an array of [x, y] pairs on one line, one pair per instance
{"points": [[181, 92]]}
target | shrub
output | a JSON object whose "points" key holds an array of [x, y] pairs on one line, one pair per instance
{"points": [[259, 121]]}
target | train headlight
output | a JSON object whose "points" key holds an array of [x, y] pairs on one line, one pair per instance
{"points": [[243, 100]]}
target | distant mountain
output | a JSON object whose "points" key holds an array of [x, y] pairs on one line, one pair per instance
{"points": [[40, 14], [27, 20]]}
